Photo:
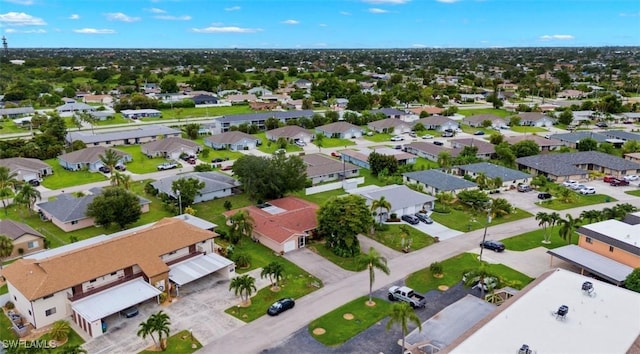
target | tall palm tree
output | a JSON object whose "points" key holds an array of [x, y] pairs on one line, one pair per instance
{"points": [[373, 260], [146, 329], [6, 248], [543, 220], [241, 225], [8, 183], [60, 330], [591, 215], [444, 159], [567, 227], [243, 286], [274, 271], [553, 219], [110, 158], [27, 196], [379, 204], [160, 324], [402, 314], [121, 180]]}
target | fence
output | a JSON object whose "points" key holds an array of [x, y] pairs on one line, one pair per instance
{"points": [[346, 184]]}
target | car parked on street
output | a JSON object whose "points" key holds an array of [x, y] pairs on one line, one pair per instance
{"points": [[602, 125], [493, 245], [410, 219], [281, 306], [424, 218], [479, 132], [427, 136]]}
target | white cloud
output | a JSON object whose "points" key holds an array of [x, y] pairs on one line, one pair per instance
{"points": [[345, 13], [323, 25], [232, 8], [226, 29], [375, 10], [74, 17], [94, 31], [418, 45], [629, 14], [291, 22], [387, 2], [13, 30], [448, 1], [173, 18], [156, 10], [559, 37], [119, 16], [21, 2], [20, 19]]}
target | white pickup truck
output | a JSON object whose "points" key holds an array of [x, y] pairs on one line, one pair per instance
{"points": [[167, 166], [406, 294]]}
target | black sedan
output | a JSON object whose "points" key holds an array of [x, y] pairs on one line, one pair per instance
{"points": [[410, 219], [493, 245], [281, 306], [424, 218]]}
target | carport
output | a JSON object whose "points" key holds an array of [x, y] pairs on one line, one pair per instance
{"points": [[608, 269], [198, 267], [89, 311]]}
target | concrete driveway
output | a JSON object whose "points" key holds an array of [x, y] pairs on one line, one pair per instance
{"points": [[533, 262], [317, 265], [436, 229]]}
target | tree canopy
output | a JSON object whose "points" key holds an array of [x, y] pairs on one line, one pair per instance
{"points": [[115, 205], [340, 221], [270, 177]]}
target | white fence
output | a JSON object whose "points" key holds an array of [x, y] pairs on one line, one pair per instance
{"points": [[347, 184]]}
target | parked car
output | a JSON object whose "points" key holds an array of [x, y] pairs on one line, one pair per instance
{"points": [[398, 147], [439, 143], [587, 190], [577, 186], [281, 306], [424, 218], [167, 166], [226, 168], [410, 219], [448, 134], [544, 195], [104, 169], [412, 134], [335, 154], [608, 179], [524, 188], [406, 294], [121, 167], [397, 138], [569, 183], [602, 125], [34, 182], [217, 160], [427, 136], [479, 132], [130, 312], [191, 160], [630, 178], [619, 182], [301, 143], [493, 245]]}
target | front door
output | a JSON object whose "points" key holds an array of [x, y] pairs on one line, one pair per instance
{"points": [[302, 241]]}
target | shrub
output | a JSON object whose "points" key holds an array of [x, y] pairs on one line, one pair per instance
{"points": [[203, 167], [227, 205], [9, 305], [436, 268], [151, 190], [242, 259], [163, 297]]}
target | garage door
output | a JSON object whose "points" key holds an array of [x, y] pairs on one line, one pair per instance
{"points": [[289, 246]]}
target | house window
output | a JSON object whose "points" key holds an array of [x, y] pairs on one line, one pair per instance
{"points": [[331, 175], [174, 252], [588, 239], [114, 273], [74, 222], [50, 311], [93, 280], [610, 248], [32, 244]]}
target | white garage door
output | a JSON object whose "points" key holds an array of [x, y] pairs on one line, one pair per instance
{"points": [[289, 246]]}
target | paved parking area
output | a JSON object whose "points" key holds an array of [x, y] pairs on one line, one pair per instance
{"points": [[317, 265], [436, 229]]}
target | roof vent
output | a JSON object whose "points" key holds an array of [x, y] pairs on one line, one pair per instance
{"points": [[587, 289], [524, 349], [561, 314]]}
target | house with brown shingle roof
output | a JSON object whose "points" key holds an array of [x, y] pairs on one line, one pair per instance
{"points": [[290, 133], [25, 239], [232, 140], [485, 148], [545, 144], [430, 110], [91, 280], [27, 168], [282, 224], [89, 158], [170, 148], [322, 168]]}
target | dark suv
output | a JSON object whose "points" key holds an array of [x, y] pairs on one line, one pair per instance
{"points": [[410, 219], [544, 195], [424, 218], [493, 245]]}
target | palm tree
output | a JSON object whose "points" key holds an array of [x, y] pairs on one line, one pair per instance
{"points": [[591, 215], [110, 158], [553, 219], [274, 271], [379, 204], [444, 159], [6, 248], [567, 227], [73, 349], [27, 195], [120, 180], [243, 286], [160, 324], [8, 182], [482, 180], [402, 314], [241, 225], [373, 260], [60, 330], [146, 329], [544, 220]]}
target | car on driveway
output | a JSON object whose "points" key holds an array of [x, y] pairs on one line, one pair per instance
{"points": [[602, 125], [587, 190], [397, 138], [34, 182], [619, 182], [281, 306], [544, 196], [301, 143], [524, 188], [630, 178], [608, 179], [167, 166], [493, 245], [424, 218], [104, 169], [569, 183], [410, 219]]}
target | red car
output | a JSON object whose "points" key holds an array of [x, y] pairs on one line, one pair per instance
{"points": [[609, 179], [335, 154], [227, 168], [619, 182]]}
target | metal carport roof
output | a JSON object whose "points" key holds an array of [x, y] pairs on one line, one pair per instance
{"points": [[601, 266], [196, 268], [110, 301]]}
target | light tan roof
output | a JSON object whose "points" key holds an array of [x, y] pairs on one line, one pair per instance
{"points": [[288, 131], [88, 155], [36, 278], [169, 144]]}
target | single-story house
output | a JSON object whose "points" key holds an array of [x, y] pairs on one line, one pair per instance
{"points": [[429, 150], [485, 149], [303, 84], [141, 113], [545, 144], [90, 281], [232, 140], [573, 138], [390, 125], [74, 107], [259, 91], [632, 156], [577, 165], [510, 178], [438, 123], [101, 99], [393, 113], [343, 130], [18, 112], [360, 156], [322, 168], [435, 181], [290, 133], [239, 98], [535, 119], [101, 115], [631, 116], [139, 135], [89, 158], [205, 99], [259, 119], [572, 94], [170, 148], [477, 121], [25, 239], [283, 224], [68, 212], [430, 110], [26, 168], [621, 135], [216, 185], [403, 199]]}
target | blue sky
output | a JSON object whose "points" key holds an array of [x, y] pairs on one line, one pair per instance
{"points": [[319, 23]]}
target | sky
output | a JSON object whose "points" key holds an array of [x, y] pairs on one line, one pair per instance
{"points": [[293, 24]]}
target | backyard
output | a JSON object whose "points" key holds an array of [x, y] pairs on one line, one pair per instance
{"points": [[62, 178], [269, 147], [141, 163]]}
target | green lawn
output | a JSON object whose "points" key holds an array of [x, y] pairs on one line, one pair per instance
{"points": [[270, 147], [3, 290], [392, 238], [378, 137], [472, 130], [320, 198], [345, 263], [423, 280], [635, 193], [180, 342], [336, 142], [527, 129], [465, 220], [73, 340], [141, 163], [533, 239], [495, 112], [117, 119], [6, 333], [62, 178], [9, 127], [212, 210], [339, 330], [424, 164], [203, 112], [296, 283], [581, 200]]}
